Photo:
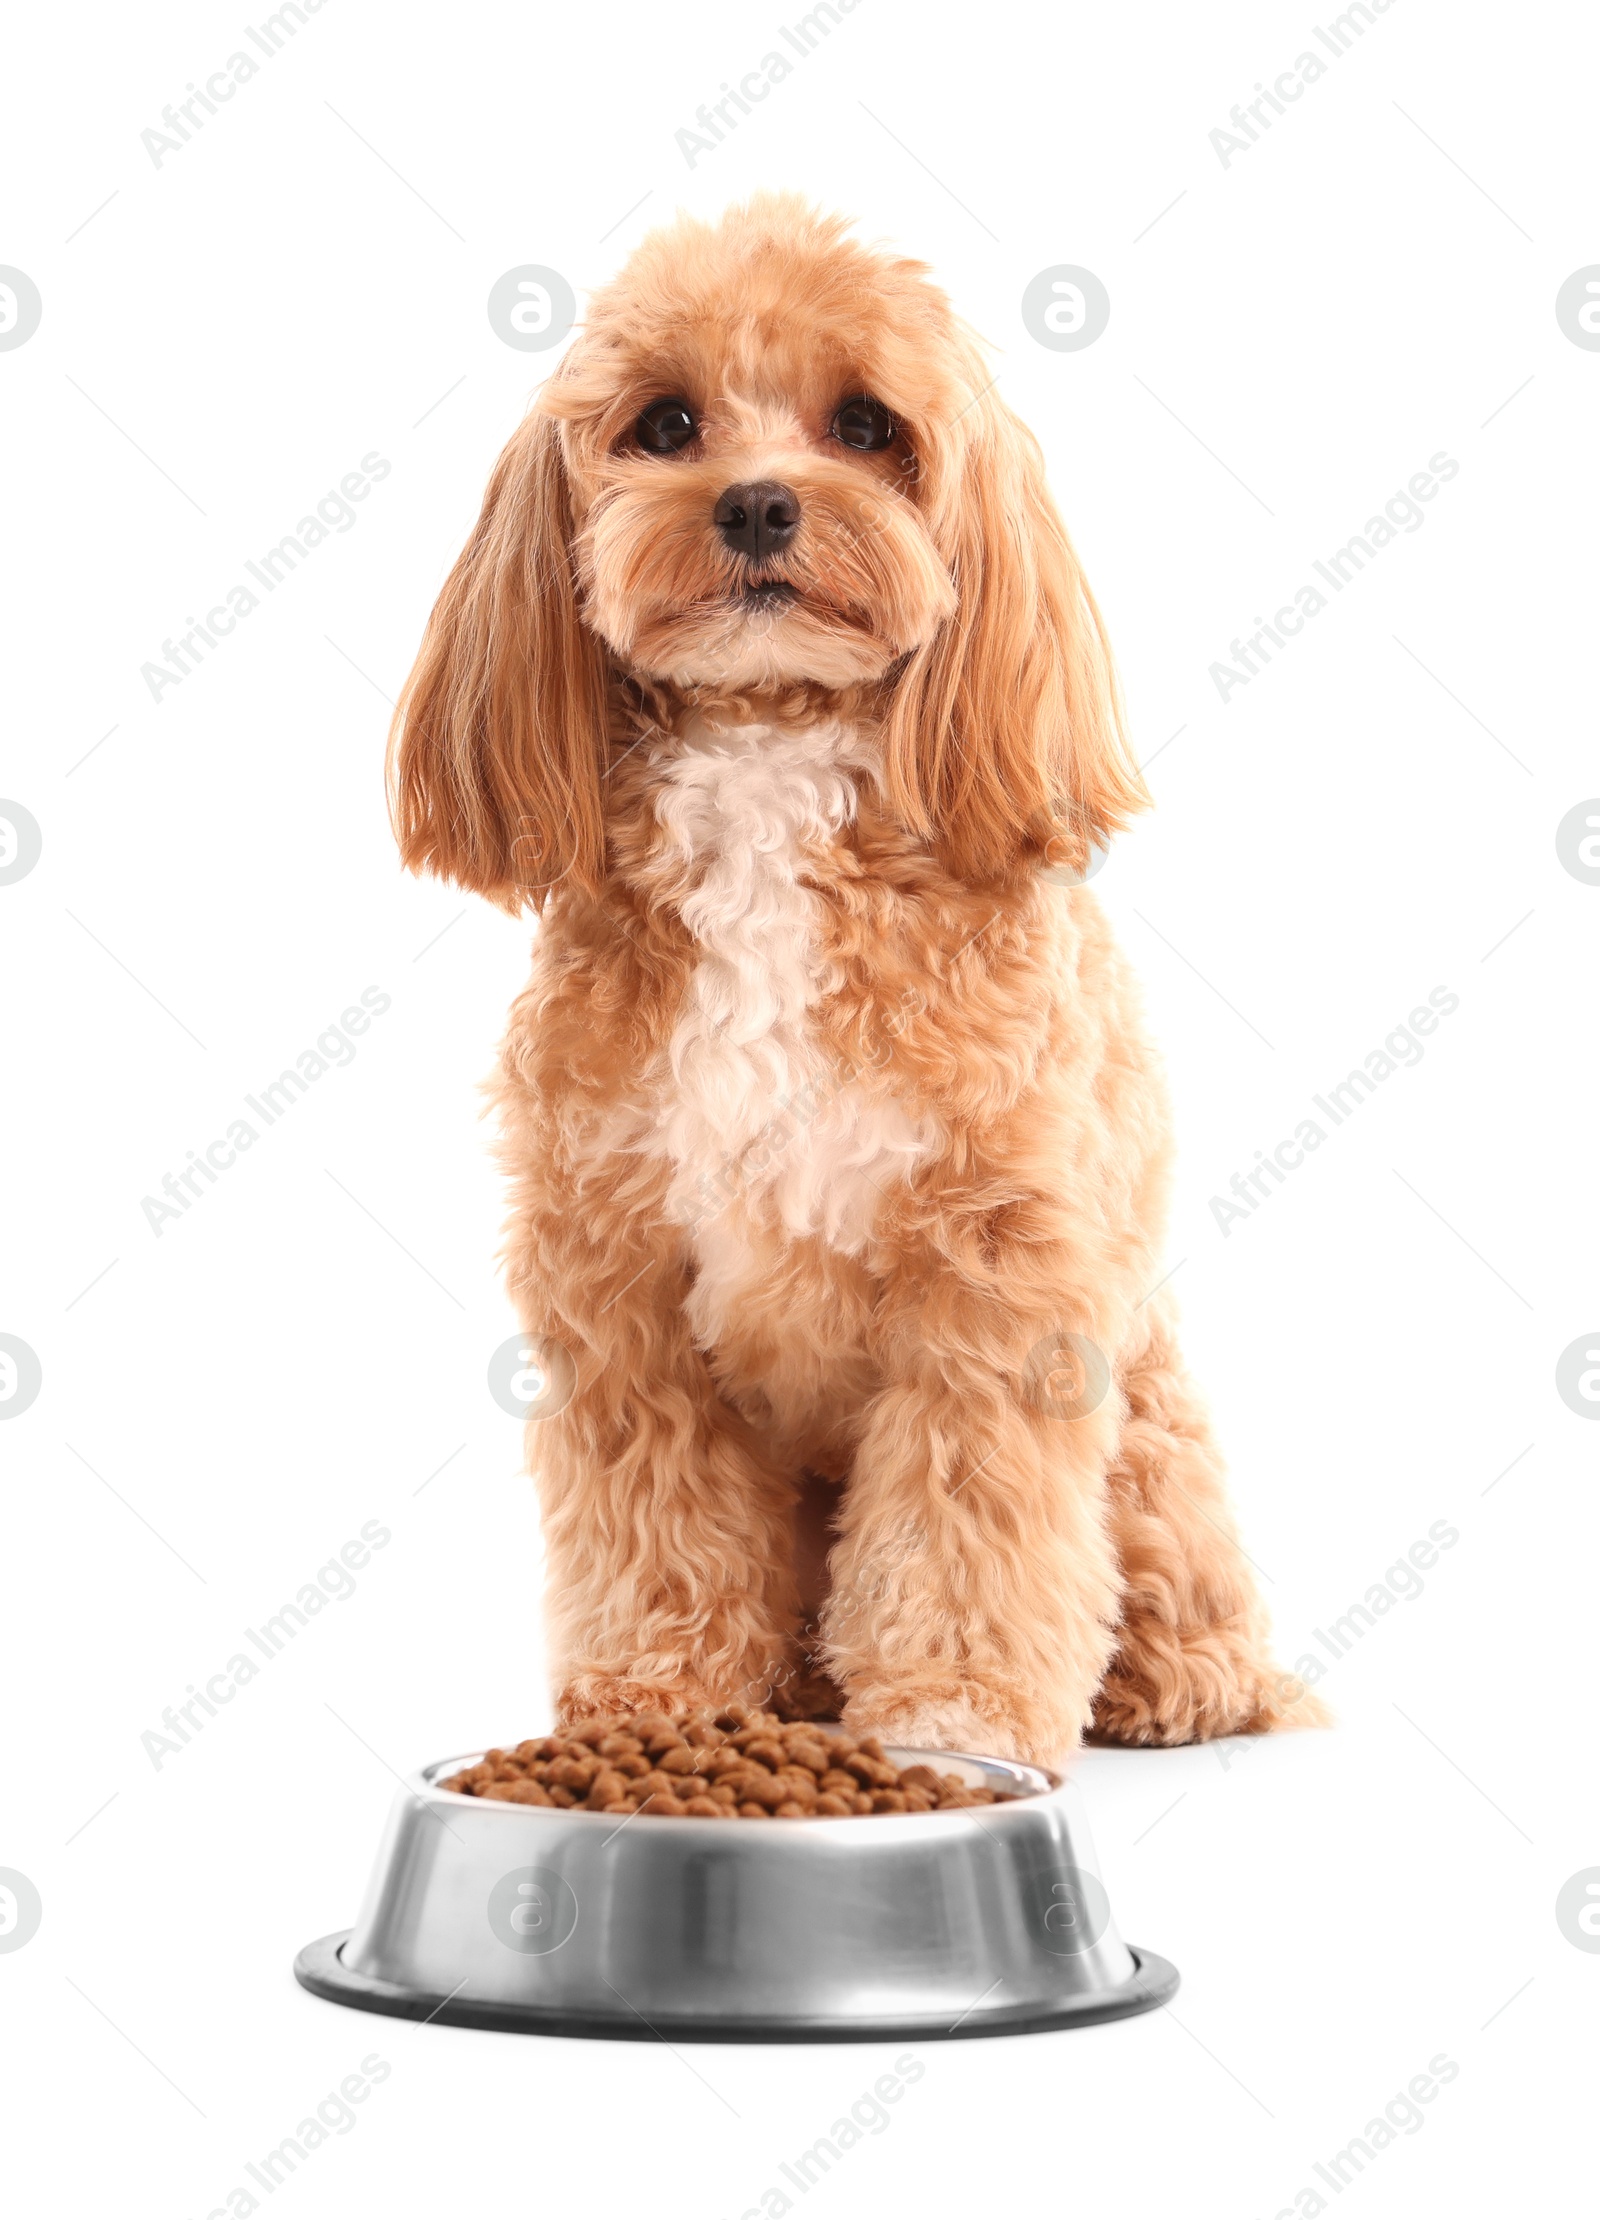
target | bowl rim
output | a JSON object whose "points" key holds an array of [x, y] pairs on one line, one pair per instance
{"points": [[422, 1784]]}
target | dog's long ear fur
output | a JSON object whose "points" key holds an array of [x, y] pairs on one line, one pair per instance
{"points": [[1005, 739], [498, 744]]}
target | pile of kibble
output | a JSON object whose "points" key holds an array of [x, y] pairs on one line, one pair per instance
{"points": [[731, 1764]]}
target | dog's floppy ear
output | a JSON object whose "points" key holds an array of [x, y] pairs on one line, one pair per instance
{"points": [[1005, 737], [497, 746]]}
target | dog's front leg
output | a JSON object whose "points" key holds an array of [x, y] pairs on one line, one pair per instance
{"points": [[666, 1532], [975, 1586]]}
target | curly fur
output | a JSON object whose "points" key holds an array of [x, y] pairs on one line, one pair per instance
{"points": [[825, 1110]]}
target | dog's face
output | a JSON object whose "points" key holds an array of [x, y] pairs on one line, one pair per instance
{"points": [[772, 460], [756, 425]]}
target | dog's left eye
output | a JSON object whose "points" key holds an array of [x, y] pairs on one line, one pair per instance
{"points": [[863, 423], [665, 426]]}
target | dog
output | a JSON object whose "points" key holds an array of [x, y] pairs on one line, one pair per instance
{"points": [[838, 1157]]}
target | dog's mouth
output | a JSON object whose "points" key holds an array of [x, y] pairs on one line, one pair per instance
{"points": [[766, 593]]}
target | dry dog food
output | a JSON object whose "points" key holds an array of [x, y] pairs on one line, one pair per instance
{"points": [[732, 1764]]}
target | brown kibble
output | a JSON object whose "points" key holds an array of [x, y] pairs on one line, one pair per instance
{"points": [[663, 1803], [870, 1771], [739, 1762]]}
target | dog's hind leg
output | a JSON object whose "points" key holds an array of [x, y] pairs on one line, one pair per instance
{"points": [[1192, 1660]]}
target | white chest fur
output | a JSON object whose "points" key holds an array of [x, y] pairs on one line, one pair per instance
{"points": [[766, 1136]]}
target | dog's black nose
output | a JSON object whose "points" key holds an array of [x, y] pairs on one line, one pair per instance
{"points": [[758, 520]]}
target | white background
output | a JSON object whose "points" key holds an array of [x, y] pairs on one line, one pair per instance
{"points": [[1291, 338]]}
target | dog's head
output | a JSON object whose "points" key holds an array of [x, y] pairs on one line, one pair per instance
{"points": [[772, 461]]}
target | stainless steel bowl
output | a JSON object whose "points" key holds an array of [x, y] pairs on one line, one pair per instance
{"points": [[987, 1921]]}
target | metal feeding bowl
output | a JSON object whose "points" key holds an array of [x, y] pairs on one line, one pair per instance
{"points": [[986, 1920]]}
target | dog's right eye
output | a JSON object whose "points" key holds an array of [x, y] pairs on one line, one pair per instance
{"points": [[665, 426]]}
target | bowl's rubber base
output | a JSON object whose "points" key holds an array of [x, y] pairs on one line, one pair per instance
{"points": [[320, 1968]]}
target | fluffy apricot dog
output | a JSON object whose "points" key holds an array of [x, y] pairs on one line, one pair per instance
{"points": [[839, 1160]]}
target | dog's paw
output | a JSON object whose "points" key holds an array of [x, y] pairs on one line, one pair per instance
{"points": [[955, 1723], [617, 1696], [1178, 1688]]}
